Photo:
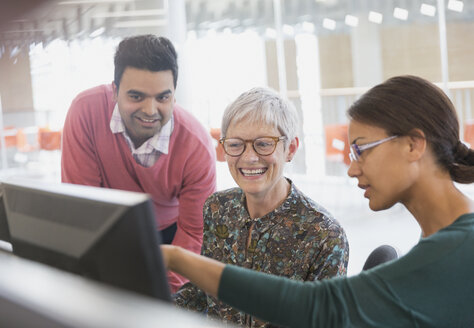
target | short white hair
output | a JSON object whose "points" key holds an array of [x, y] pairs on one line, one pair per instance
{"points": [[262, 105]]}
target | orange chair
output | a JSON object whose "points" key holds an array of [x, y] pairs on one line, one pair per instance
{"points": [[22, 142], [10, 136], [337, 145], [216, 135], [469, 133], [16, 138], [49, 140]]}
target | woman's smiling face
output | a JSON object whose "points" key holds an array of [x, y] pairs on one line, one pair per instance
{"points": [[256, 174]]}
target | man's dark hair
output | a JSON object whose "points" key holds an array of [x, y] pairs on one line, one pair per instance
{"points": [[149, 52]]}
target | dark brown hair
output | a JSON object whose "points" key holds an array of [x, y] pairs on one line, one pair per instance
{"points": [[149, 52], [404, 103]]}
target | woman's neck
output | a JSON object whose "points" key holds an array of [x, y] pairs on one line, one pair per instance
{"points": [[260, 204], [436, 203]]}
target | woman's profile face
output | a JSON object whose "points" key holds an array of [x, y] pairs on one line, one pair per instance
{"points": [[255, 174], [382, 171]]}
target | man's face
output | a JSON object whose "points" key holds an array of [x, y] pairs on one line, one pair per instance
{"points": [[145, 101]]}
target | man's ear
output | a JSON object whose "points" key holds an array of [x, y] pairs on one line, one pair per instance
{"points": [[416, 144], [292, 147], [115, 89]]}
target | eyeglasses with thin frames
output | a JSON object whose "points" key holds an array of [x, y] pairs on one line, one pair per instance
{"points": [[263, 146], [356, 150]]}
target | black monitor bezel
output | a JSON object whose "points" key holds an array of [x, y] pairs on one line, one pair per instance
{"points": [[128, 249]]}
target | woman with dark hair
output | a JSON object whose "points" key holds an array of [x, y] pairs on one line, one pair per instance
{"points": [[405, 148]]}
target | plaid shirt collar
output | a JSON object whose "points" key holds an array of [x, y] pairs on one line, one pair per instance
{"points": [[159, 142]]}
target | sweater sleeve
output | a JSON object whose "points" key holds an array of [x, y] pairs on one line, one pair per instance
{"points": [[199, 182], [78, 155], [271, 298], [190, 296], [365, 300]]}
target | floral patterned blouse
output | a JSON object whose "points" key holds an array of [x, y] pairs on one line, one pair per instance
{"points": [[299, 240]]}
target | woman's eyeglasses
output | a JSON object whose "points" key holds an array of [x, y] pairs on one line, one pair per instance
{"points": [[263, 146], [356, 150]]}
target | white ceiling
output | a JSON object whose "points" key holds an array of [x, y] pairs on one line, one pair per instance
{"points": [[27, 22]]}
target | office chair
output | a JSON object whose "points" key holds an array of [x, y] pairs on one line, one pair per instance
{"points": [[381, 255]]}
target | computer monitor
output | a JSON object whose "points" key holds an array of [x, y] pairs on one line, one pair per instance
{"points": [[103, 234], [4, 230]]}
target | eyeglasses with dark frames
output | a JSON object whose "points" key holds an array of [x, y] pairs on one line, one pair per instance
{"points": [[356, 150], [263, 146]]}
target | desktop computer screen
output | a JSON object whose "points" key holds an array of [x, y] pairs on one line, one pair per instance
{"points": [[4, 231], [103, 234]]}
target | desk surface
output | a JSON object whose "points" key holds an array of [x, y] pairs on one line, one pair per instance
{"points": [[36, 295]]}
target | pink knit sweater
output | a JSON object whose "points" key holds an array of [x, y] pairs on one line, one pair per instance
{"points": [[178, 183]]}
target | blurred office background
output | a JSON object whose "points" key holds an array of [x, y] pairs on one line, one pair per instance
{"points": [[322, 54]]}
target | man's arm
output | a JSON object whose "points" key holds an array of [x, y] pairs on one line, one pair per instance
{"points": [[199, 182], [189, 295], [78, 154]]}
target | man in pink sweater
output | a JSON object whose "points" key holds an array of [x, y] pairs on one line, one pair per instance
{"points": [[131, 135]]}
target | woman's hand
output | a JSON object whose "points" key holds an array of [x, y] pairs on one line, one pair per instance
{"points": [[200, 270]]}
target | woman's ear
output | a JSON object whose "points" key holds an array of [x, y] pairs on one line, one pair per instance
{"points": [[292, 148], [416, 144]]}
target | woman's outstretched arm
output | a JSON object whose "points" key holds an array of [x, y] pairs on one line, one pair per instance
{"points": [[200, 270]]}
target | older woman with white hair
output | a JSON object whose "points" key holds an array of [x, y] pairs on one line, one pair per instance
{"points": [[405, 148], [265, 224]]}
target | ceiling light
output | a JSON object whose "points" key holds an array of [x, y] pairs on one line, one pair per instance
{"points": [[15, 51], [288, 29], [351, 20], [250, 31], [211, 33], [141, 23], [25, 31], [97, 32], [455, 5], [270, 33], [428, 10], [307, 27], [192, 35], [85, 2], [131, 13], [400, 13], [329, 24], [375, 17]]}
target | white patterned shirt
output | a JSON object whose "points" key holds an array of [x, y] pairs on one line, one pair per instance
{"points": [[149, 152]]}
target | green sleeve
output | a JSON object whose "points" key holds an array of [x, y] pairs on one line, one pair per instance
{"points": [[278, 300], [365, 300], [413, 291]]}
